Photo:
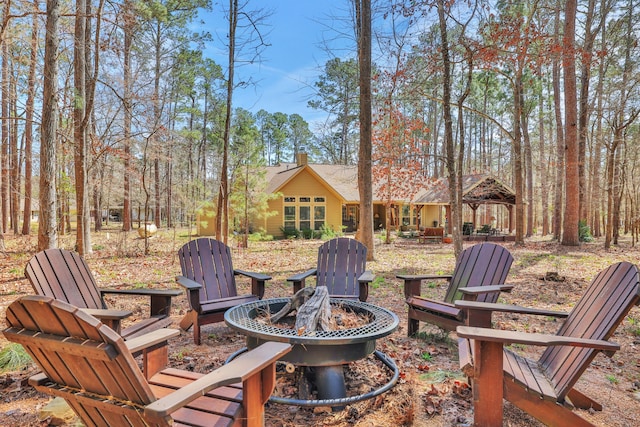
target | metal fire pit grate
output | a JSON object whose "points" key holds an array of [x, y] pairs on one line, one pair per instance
{"points": [[324, 352], [243, 318]]}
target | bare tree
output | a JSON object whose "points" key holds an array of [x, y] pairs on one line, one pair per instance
{"points": [[365, 184], [47, 226], [570, 236], [28, 131]]}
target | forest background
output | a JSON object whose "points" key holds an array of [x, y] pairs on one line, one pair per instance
{"points": [[108, 103]]}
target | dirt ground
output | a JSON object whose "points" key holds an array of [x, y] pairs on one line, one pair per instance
{"points": [[431, 390]]}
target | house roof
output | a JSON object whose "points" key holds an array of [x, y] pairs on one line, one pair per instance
{"points": [[476, 189], [343, 180]]}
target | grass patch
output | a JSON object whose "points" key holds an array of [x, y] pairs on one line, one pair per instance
{"points": [[440, 376], [14, 358]]}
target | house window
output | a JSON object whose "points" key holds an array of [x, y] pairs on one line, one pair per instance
{"points": [[305, 217], [289, 217], [318, 217], [303, 214], [406, 215]]}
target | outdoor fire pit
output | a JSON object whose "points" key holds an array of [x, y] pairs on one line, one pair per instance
{"points": [[321, 352]]}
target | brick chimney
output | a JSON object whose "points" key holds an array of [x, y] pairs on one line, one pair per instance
{"points": [[301, 159]]}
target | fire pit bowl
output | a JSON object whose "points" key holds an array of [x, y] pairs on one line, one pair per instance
{"points": [[324, 352]]}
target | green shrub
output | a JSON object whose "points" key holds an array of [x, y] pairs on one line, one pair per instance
{"points": [[290, 233], [260, 236], [584, 232], [327, 232]]}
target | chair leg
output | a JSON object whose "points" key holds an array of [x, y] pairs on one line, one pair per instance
{"points": [[549, 412], [583, 401], [196, 333], [188, 320], [413, 327]]}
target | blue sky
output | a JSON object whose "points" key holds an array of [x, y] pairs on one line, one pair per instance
{"points": [[294, 60]]}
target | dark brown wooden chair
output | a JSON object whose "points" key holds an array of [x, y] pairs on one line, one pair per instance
{"points": [[65, 275], [479, 274], [209, 279], [90, 366], [341, 268], [545, 388]]}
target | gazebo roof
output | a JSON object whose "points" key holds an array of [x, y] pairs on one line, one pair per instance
{"points": [[476, 189]]}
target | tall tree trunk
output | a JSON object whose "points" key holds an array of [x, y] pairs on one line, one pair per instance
{"points": [[14, 160], [518, 169], [28, 131], [570, 235], [596, 189], [6, 136], [455, 220], [365, 178], [47, 227], [222, 218], [128, 29], [542, 163], [557, 108], [79, 129]]}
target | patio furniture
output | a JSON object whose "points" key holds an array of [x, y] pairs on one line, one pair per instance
{"points": [[479, 275], [431, 234], [341, 268], [90, 366], [208, 277], [544, 388], [65, 275]]}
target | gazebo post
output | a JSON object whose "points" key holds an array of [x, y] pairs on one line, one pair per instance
{"points": [[510, 209]]}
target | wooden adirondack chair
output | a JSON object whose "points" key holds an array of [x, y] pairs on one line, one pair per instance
{"points": [[479, 275], [544, 388], [341, 268], [90, 366], [65, 275], [208, 277]]}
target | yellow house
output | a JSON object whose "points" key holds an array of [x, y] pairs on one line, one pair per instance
{"points": [[315, 195]]}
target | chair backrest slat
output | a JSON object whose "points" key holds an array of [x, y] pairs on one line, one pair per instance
{"points": [[64, 275], [208, 262], [480, 265], [92, 358], [604, 305], [340, 262]]}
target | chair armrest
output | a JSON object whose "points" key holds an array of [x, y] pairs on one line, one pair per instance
{"points": [[143, 292], [160, 298], [366, 277], [257, 281], [158, 336], [299, 279], [363, 285], [412, 282], [424, 276], [193, 291], [545, 340], [478, 290], [257, 276], [240, 369], [188, 283], [111, 318], [301, 276], [107, 314], [506, 308]]}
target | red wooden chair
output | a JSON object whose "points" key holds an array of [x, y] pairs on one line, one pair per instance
{"points": [[208, 277], [479, 275], [544, 388], [91, 367], [65, 275]]}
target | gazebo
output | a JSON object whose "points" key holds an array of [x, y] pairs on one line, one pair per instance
{"points": [[477, 190]]}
